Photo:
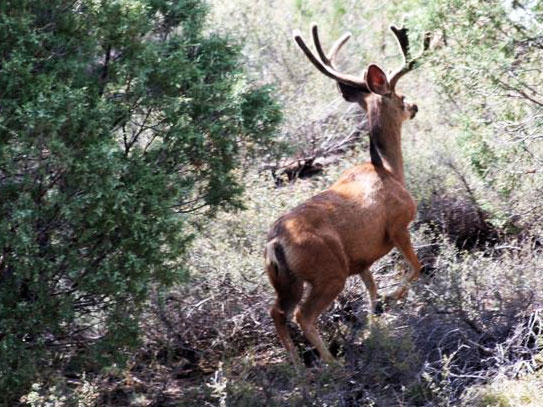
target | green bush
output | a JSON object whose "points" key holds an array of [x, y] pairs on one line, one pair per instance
{"points": [[487, 66], [117, 119]]}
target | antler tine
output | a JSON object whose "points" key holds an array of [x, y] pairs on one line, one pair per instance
{"points": [[403, 41], [310, 55], [336, 47], [426, 41], [408, 63], [317, 42], [323, 63], [329, 59]]}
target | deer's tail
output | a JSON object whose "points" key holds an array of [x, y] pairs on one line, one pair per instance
{"points": [[277, 266]]}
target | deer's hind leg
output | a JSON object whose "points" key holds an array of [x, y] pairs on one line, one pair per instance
{"points": [[326, 272], [288, 296], [319, 299]]}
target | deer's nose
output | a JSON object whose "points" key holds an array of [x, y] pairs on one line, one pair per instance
{"points": [[414, 110]]}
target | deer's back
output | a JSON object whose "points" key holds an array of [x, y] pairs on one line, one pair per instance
{"points": [[352, 221]]}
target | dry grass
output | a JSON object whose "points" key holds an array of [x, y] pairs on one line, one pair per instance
{"points": [[474, 320]]}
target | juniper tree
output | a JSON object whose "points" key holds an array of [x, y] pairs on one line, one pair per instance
{"points": [[117, 119]]}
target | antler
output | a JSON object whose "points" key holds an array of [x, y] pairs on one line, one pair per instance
{"points": [[326, 63], [408, 63]]}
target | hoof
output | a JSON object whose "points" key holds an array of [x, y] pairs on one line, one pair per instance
{"points": [[427, 271], [379, 308], [310, 357]]}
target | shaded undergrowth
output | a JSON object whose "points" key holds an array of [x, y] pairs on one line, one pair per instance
{"points": [[472, 320], [478, 317]]}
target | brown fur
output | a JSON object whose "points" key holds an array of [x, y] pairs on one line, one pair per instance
{"points": [[345, 229]]}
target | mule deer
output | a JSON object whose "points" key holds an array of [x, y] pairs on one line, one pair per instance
{"points": [[343, 230]]}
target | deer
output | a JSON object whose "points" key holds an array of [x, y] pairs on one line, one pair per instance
{"points": [[343, 230]]}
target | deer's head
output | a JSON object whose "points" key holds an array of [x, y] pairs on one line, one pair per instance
{"points": [[375, 92]]}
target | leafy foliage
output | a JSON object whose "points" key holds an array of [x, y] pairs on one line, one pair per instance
{"points": [[488, 66], [117, 118]]}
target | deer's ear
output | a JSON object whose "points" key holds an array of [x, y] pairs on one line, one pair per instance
{"points": [[351, 93], [377, 81]]}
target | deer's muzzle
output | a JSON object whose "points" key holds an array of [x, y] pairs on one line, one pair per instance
{"points": [[414, 110]]}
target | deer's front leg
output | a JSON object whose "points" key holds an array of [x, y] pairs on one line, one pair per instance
{"points": [[369, 282], [402, 241]]}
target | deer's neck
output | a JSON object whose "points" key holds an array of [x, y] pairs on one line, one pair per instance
{"points": [[386, 144]]}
